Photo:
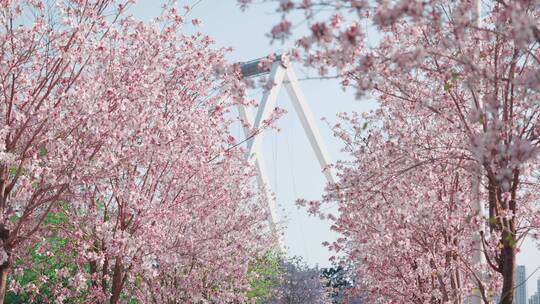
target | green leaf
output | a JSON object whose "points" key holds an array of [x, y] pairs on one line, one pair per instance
{"points": [[43, 151], [511, 240], [447, 86], [12, 171], [14, 219], [264, 275]]}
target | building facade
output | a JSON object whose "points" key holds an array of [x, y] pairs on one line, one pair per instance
{"points": [[535, 299], [520, 293]]}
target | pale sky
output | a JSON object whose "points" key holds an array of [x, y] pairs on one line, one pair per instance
{"points": [[292, 168]]}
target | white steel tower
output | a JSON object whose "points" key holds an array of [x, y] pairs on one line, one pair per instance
{"points": [[281, 75]]}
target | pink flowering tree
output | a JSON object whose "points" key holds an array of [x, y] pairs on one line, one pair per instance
{"points": [[405, 211], [459, 70], [122, 127], [49, 127]]}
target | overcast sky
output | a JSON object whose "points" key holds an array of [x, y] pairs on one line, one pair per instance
{"points": [[292, 168]]}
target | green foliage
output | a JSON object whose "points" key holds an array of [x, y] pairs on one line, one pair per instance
{"points": [[44, 260], [43, 272], [42, 151], [448, 85], [511, 240], [264, 276]]}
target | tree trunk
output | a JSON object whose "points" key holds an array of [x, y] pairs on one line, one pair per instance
{"points": [[508, 265], [4, 270], [117, 281], [507, 254], [5, 267]]}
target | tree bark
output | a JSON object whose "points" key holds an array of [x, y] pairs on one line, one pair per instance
{"points": [[507, 254], [5, 267], [117, 281], [508, 263], [4, 270]]}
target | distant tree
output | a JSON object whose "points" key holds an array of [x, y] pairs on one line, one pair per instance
{"points": [[264, 277], [299, 284], [339, 284]]}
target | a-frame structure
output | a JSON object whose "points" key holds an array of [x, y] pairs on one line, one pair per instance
{"points": [[281, 75]]}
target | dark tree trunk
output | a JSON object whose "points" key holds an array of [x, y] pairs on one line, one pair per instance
{"points": [[508, 264], [5, 267], [4, 271], [117, 281], [506, 259]]}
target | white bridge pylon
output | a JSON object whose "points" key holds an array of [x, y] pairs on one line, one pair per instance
{"points": [[281, 75]]}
